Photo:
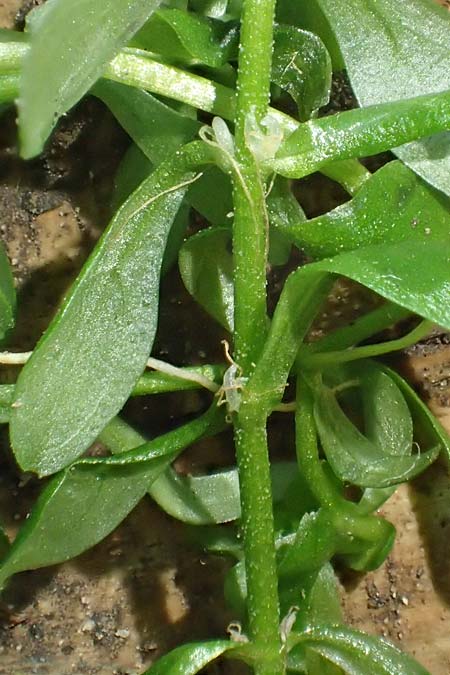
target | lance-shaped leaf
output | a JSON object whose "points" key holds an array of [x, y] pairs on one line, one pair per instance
{"points": [[388, 269], [364, 31], [393, 205], [302, 66], [197, 500], [7, 294], [387, 422], [71, 42], [427, 428], [191, 658], [159, 130], [86, 501], [188, 38], [356, 653], [6, 398], [361, 132], [206, 267], [88, 360], [353, 457]]}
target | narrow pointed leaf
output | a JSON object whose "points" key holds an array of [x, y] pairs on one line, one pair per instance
{"points": [[357, 653], [353, 457], [302, 66], [7, 294], [206, 267], [86, 501], [157, 129], [191, 658], [71, 42], [365, 32], [393, 205], [387, 419], [88, 360], [427, 427], [188, 38], [361, 132]]}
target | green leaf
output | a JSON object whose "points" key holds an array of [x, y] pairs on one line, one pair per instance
{"points": [[71, 42], [353, 457], [200, 500], [357, 653], [6, 398], [316, 541], [188, 38], [157, 129], [206, 267], [401, 273], [375, 42], [134, 168], [211, 196], [88, 360], [285, 213], [428, 430], [86, 501], [393, 205], [387, 419], [7, 295], [361, 132], [191, 658], [320, 605], [388, 422], [301, 66]]}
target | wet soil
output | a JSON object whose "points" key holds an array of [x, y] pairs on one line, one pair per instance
{"points": [[146, 588]]}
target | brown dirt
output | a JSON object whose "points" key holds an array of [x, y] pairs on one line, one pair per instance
{"points": [[145, 588]]}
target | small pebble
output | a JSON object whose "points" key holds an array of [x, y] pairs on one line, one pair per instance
{"points": [[88, 626], [122, 633]]}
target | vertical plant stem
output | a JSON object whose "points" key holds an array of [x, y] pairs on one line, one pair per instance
{"points": [[250, 257], [250, 216], [258, 537]]}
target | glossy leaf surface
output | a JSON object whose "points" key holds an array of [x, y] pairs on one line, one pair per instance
{"points": [[394, 51], [206, 267], [387, 419], [188, 38], [197, 500], [6, 398], [353, 457], [86, 501], [357, 653], [302, 66], [157, 129], [71, 42], [191, 658], [427, 427], [392, 271], [393, 205], [88, 360], [7, 294], [361, 132]]}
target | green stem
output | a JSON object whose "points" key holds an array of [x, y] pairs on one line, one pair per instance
{"points": [[349, 173], [360, 329], [250, 229], [161, 383], [259, 539], [250, 320], [320, 361]]}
